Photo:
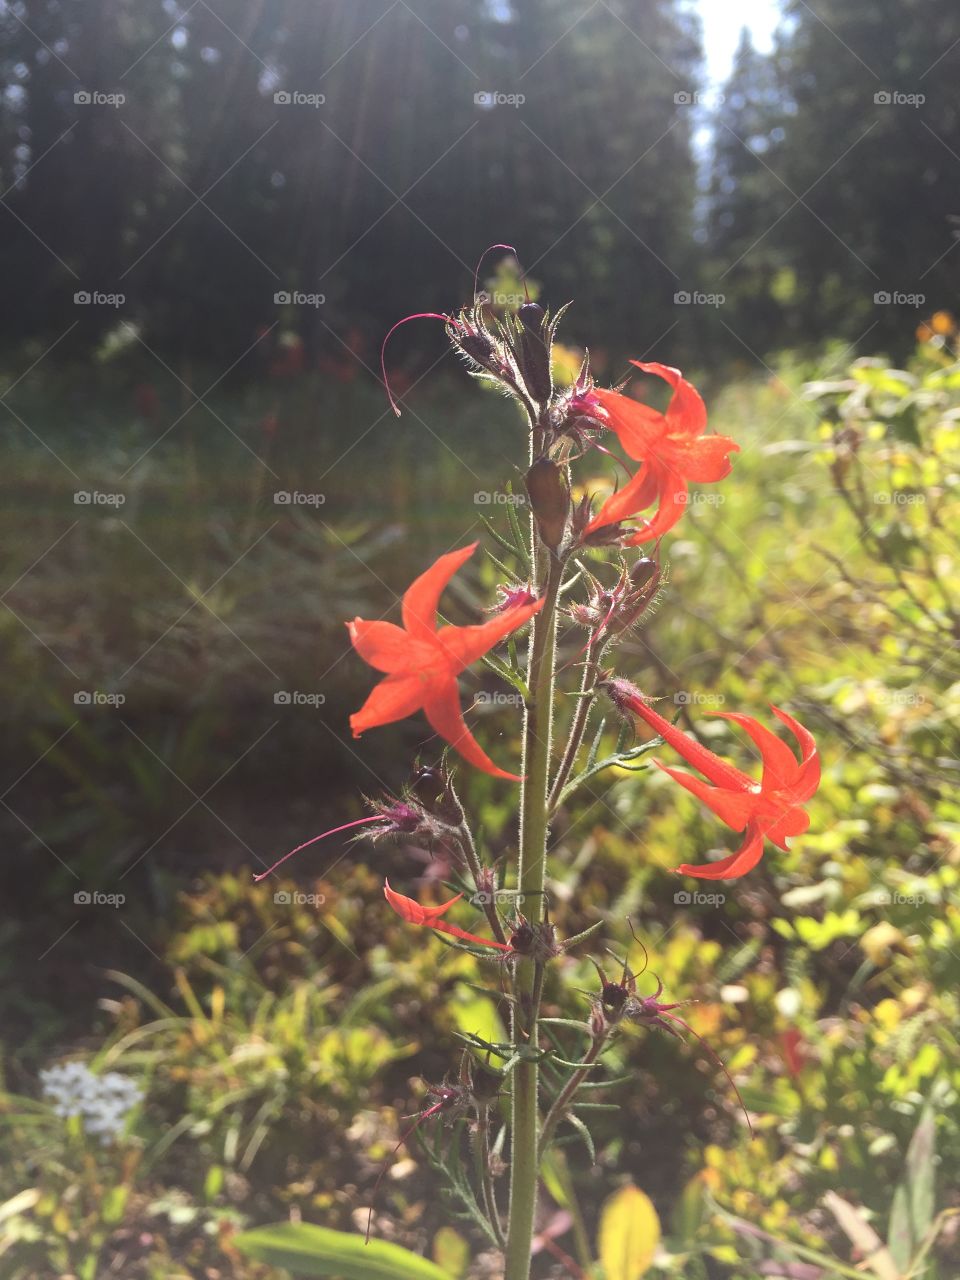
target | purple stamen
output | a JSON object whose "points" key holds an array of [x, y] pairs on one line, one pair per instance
{"points": [[306, 844]]}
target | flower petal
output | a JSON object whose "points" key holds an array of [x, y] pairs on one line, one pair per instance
{"points": [[686, 411], [702, 759], [780, 768], [732, 867], [387, 647], [635, 496], [421, 598], [735, 808], [394, 698], [443, 712], [414, 913], [703, 460], [464, 645]]}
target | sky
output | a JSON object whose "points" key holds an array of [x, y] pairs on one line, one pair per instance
{"points": [[722, 21]]}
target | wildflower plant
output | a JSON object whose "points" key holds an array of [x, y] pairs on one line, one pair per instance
{"points": [[587, 566]]}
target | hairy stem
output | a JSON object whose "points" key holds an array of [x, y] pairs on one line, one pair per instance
{"points": [[537, 727], [466, 842], [485, 1176], [578, 727]]}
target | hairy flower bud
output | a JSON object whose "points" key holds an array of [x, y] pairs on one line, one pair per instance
{"points": [[549, 501], [531, 349], [433, 790]]}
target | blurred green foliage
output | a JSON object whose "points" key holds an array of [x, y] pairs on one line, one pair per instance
{"points": [[280, 1038]]}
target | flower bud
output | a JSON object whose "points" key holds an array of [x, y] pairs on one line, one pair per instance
{"points": [[549, 501], [532, 351], [432, 788]]}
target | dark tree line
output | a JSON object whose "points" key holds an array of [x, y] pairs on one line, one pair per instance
{"points": [[201, 195]]}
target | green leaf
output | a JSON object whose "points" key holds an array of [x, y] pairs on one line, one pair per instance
{"points": [[451, 1252], [306, 1250], [920, 1174], [628, 1235]]}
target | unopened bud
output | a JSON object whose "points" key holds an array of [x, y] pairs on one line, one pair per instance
{"points": [[532, 351], [549, 500], [643, 572], [432, 788]]}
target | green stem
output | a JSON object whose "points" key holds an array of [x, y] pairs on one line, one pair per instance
{"points": [[585, 701], [537, 726]]}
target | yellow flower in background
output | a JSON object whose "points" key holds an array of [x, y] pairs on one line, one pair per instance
{"points": [[566, 364]]}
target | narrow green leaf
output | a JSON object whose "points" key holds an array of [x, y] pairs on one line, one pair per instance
{"points": [[307, 1250]]}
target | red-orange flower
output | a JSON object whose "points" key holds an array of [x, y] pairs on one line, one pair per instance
{"points": [[422, 661], [771, 809], [670, 447], [415, 913]]}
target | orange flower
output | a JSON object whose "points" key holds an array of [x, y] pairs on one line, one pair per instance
{"points": [[421, 661], [432, 917], [771, 809], [670, 447]]}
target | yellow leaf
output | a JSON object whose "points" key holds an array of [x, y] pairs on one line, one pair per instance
{"points": [[629, 1234]]}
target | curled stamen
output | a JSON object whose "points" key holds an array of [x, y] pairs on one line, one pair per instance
{"points": [[715, 1056], [377, 817], [418, 315]]}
